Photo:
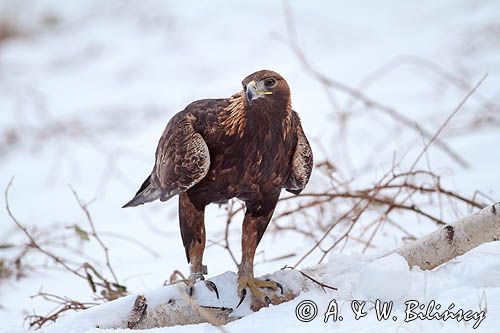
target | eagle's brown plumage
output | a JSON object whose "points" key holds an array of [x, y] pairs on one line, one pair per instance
{"points": [[248, 146]]}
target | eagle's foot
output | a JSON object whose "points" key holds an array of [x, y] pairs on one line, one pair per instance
{"points": [[259, 298]]}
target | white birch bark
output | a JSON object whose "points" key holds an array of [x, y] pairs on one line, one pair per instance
{"points": [[453, 240]]}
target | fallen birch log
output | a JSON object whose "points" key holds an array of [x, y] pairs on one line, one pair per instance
{"points": [[453, 240], [170, 305]]}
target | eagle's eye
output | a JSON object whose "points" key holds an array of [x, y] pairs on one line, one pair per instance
{"points": [[244, 86], [269, 82]]}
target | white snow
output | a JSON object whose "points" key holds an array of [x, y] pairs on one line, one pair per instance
{"points": [[116, 71]]}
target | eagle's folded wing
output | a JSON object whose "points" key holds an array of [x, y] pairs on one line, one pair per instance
{"points": [[182, 158], [301, 164]]}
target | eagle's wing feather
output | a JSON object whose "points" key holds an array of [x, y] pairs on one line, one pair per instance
{"points": [[182, 158], [301, 164]]}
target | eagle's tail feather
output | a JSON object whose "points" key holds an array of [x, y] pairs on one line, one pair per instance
{"points": [[146, 193]]}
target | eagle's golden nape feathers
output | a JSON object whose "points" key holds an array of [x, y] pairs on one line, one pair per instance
{"points": [[249, 146], [232, 117]]}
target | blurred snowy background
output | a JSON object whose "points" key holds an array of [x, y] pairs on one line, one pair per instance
{"points": [[86, 88]]}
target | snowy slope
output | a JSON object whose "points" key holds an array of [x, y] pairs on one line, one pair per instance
{"points": [[87, 87]]}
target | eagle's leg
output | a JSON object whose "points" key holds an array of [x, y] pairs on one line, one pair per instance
{"points": [[192, 225], [256, 219]]}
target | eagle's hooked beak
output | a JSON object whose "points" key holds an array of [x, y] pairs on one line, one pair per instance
{"points": [[251, 91], [254, 91]]}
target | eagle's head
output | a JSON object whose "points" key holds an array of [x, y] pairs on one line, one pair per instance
{"points": [[266, 87]]}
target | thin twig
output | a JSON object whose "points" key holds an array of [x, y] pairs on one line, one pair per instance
{"points": [[84, 207]]}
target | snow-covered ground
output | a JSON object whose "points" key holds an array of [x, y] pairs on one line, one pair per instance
{"points": [[86, 88], [470, 283]]}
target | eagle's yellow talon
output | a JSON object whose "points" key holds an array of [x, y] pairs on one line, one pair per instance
{"points": [[255, 285]]}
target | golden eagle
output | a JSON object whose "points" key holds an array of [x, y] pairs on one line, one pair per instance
{"points": [[248, 146]]}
